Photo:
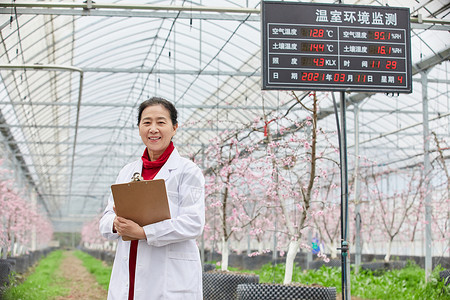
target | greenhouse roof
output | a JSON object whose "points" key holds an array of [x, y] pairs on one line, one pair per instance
{"points": [[73, 74]]}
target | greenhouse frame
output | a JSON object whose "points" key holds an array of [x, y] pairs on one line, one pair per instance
{"points": [[73, 74]]}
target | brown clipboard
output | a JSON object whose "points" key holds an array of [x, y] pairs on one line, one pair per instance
{"points": [[145, 202]]}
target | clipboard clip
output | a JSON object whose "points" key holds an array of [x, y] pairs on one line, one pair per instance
{"points": [[137, 177]]}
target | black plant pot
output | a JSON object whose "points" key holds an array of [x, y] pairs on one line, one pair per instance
{"points": [[5, 271], [317, 264], [109, 258], [222, 286], [22, 263], [208, 267], [381, 267], [279, 291], [445, 276]]}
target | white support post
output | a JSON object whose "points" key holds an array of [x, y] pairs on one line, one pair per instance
{"points": [[358, 246], [427, 170], [13, 245], [33, 230], [309, 254]]}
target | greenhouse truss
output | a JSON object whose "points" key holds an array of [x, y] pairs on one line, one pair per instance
{"points": [[73, 73]]}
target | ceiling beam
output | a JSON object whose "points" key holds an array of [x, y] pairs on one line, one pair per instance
{"points": [[172, 71], [240, 14], [90, 5], [136, 14], [431, 61], [92, 104], [90, 144]]}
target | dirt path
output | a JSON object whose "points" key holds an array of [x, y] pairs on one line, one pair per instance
{"points": [[81, 283]]}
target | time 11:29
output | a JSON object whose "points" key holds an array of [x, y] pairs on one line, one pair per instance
{"points": [[376, 64]]}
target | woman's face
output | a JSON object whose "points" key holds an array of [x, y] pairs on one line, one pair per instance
{"points": [[156, 130]]}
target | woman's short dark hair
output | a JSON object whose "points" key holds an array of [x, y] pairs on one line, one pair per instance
{"points": [[159, 101]]}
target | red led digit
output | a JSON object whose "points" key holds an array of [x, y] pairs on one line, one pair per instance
{"points": [[316, 76], [375, 64], [319, 62], [361, 78], [400, 79], [394, 64], [379, 35], [339, 77], [316, 47], [309, 76], [391, 64], [316, 32]]}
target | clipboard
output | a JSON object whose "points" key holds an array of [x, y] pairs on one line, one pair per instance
{"points": [[145, 202]]}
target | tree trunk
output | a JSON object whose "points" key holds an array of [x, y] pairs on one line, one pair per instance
{"points": [[290, 257], [333, 250], [388, 253], [224, 266], [261, 247]]}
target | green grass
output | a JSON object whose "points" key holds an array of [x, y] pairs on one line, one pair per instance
{"points": [[96, 267], [43, 283], [407, 283]]}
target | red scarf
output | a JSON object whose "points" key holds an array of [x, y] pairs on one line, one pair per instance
{"points": [[149, 171], [151, 168]]}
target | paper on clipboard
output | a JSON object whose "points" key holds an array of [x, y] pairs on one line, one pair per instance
{"points": [[145, 202]]}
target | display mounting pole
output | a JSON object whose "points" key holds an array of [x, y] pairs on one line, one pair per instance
{"points": [[345, 263], [344, 202]]}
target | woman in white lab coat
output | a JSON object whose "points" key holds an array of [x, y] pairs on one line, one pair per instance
{"points": [[165, 261]]}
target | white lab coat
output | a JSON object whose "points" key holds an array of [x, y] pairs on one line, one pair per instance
{"points": [[168, 263]]}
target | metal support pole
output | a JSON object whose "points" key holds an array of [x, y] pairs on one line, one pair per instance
{"points": [[358, 246], [345, 262], [427, 170], [344, 203]]}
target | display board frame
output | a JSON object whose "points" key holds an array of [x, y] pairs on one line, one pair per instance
{"points": [[335, 47]]}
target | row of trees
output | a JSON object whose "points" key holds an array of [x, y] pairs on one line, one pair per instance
{"points": [[20, 221], [270, 182], [276, 185]]}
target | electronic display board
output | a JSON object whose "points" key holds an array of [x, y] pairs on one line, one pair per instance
{"points": [[335, 47]]}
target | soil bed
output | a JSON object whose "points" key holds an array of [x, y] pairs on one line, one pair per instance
{"points": [[80, 282]]}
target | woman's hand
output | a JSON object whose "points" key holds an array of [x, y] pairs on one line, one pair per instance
{"points": [[125, 227]]}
